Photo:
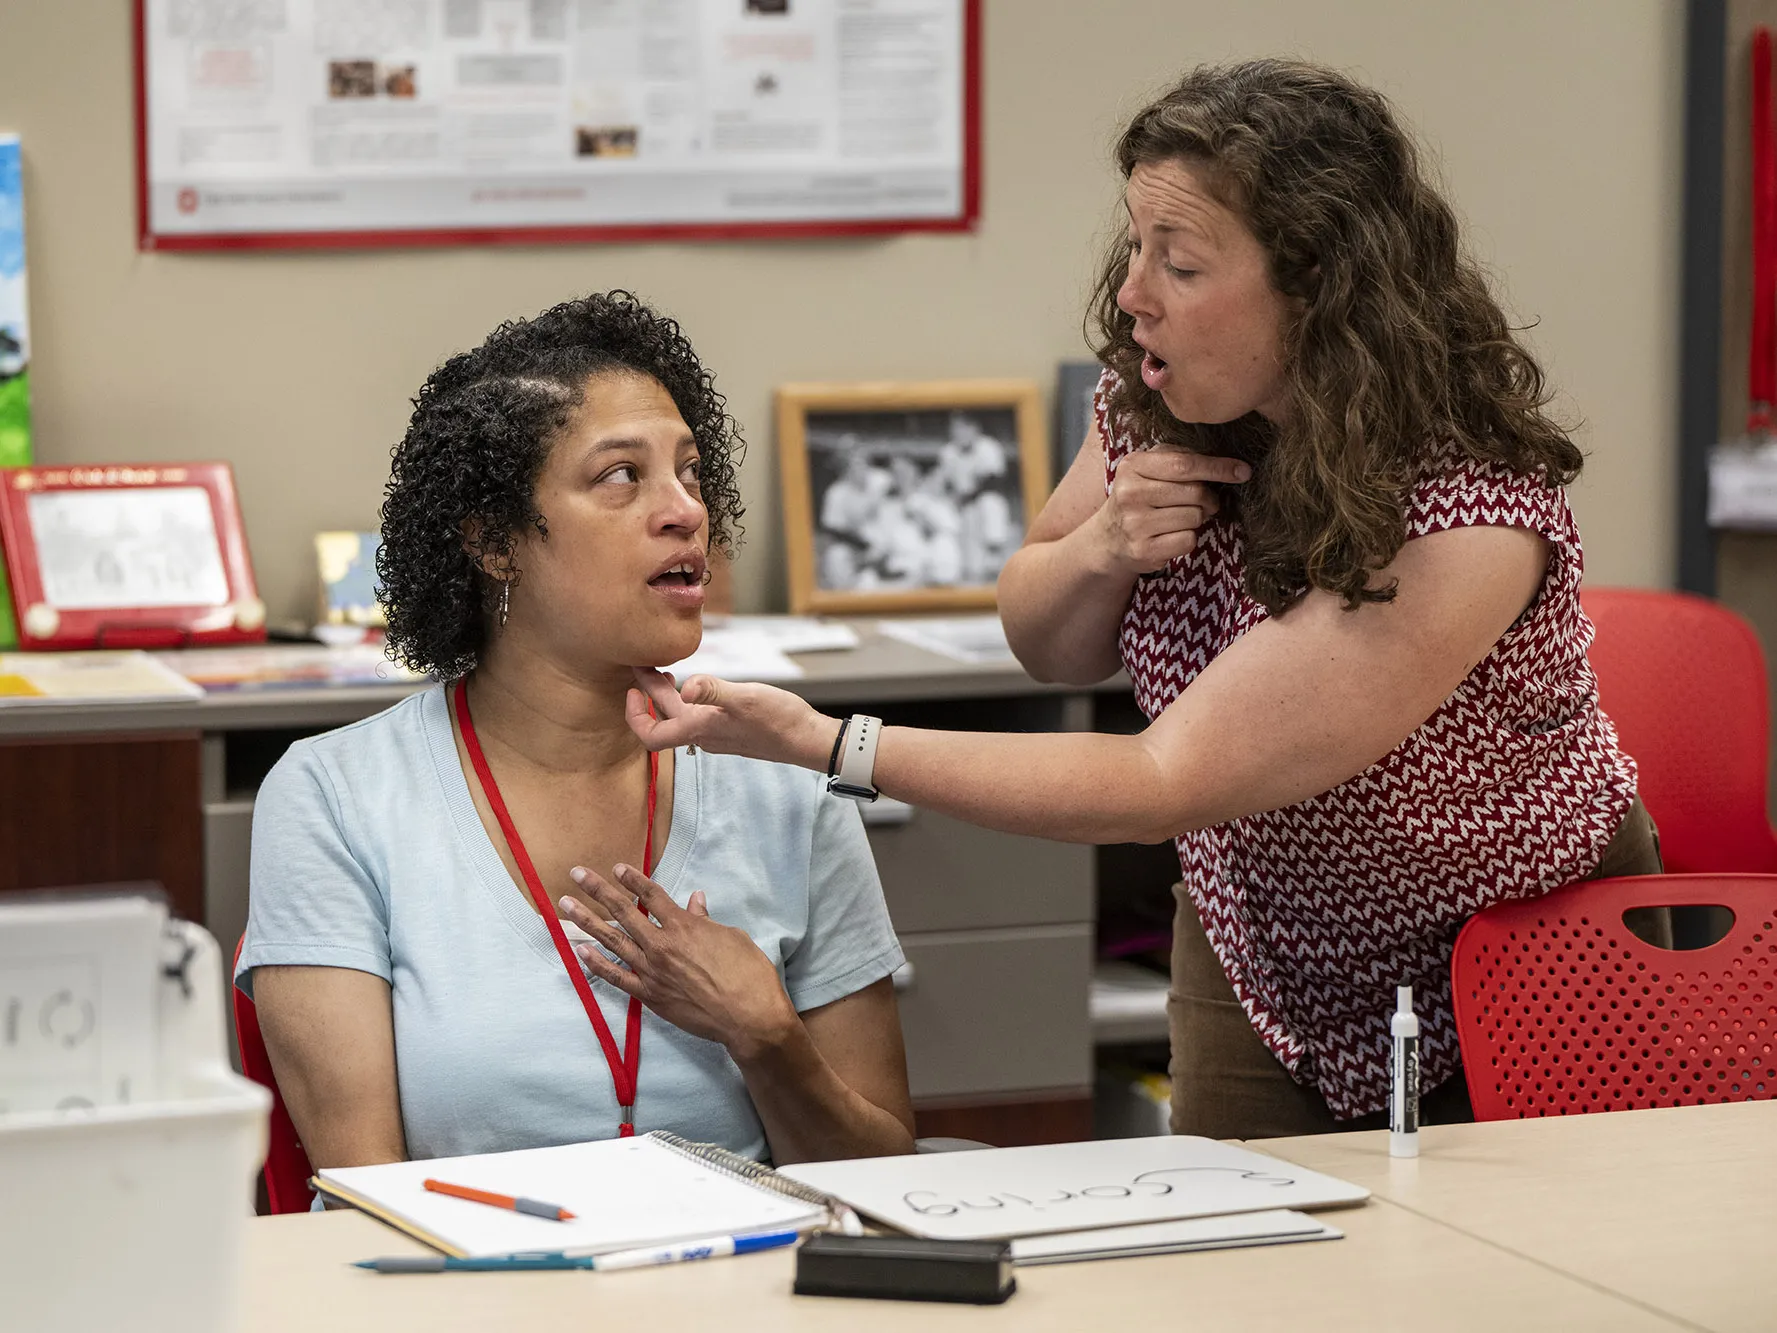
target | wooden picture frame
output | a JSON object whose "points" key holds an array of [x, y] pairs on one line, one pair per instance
{"points": [[907, 496], [128, 556]]}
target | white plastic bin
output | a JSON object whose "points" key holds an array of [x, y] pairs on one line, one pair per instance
{"points": [[134, 1217]]}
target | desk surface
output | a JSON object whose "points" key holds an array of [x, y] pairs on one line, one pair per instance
{"points": [[1626, 1221], [1674, 1209], [878, 670], [1394, 1270]]}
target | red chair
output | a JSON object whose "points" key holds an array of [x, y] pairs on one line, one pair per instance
{"points": [[1684, 680], [1560, 1009], [287, 1168]]}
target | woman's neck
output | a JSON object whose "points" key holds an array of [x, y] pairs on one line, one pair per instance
{"points": [[557, 720]]}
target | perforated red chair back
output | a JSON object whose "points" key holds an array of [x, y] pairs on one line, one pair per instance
{"points": [[287, 1168], [1683, 678], [1560, 1009]]}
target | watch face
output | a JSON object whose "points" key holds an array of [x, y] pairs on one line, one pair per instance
{"points": [[837, 788]]}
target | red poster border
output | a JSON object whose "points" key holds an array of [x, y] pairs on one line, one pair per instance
{"points": [[147, 240], [240, 620]]}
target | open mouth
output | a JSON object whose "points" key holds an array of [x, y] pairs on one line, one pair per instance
{"points": [[1153, 371], [686, 572]]}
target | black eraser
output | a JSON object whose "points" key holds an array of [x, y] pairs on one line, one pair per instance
{"points": [[905, 1268]]}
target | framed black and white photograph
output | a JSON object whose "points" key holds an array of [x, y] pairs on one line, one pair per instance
{"points": [[907, 497], [1075, 383]]}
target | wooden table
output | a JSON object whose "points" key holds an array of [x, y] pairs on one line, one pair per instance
{"points": [[1674, 1210], [1394, 1270], [1621, 1222], [1624, 1221]]}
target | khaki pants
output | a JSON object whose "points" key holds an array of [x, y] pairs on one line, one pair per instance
{"points": [[1226, 1084]]}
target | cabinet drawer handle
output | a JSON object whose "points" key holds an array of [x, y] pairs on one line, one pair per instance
{"points": [[902, 976]]}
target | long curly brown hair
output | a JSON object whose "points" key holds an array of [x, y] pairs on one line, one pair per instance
{"points": [[1397, 347]]}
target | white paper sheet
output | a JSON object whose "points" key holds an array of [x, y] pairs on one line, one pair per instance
{"points": [[791, 634], [623, 1192], [736, 654], [972, 639]]}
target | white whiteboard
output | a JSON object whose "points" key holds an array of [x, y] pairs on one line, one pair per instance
{"points": [[1003, 1192], [367, 121]]}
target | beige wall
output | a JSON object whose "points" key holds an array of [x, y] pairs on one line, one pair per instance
{"points": [[1557, 123]]}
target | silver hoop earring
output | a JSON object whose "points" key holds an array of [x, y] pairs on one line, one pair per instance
{"points": [[505, 601]]}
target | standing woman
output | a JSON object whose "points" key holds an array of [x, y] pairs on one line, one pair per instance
{"points": [[1320, 521]]}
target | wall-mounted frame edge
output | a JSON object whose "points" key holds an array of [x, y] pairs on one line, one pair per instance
{"points": [[1700, 298], [967, 221]]}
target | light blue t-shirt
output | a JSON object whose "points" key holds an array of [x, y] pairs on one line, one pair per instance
{"points": [[368, 854]]}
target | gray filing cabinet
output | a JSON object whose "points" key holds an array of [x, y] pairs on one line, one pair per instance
{"points": [[998, 936]]}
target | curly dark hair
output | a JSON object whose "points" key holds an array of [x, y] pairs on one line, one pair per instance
{"points": [[1398, 346], [481, 430]]}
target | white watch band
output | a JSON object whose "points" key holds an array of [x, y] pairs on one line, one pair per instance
{"points": [[857, 759]]}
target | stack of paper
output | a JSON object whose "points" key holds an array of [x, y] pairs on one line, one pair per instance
{"points": [[113, 677], [293, 666], [1233, 1232]]}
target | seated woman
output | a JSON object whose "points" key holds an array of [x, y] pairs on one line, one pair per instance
{"points": [[546, 530]]}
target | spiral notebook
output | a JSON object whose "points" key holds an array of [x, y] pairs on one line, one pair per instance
{"points": [[656, 1189]]}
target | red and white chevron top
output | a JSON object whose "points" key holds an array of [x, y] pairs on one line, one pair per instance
{"points": [[1512, 788]]}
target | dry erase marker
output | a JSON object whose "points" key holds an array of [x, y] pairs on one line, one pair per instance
{"points": [[715, 1247], [1403, 1102], [531, 1207]]}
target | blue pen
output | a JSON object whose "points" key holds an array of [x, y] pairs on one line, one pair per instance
{"points": [[714, 1247]]}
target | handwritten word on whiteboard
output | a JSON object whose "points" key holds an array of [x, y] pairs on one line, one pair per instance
{"points": [[1002, 1192]]}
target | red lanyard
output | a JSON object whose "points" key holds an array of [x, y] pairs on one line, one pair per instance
{"points": [[625, 1065]]}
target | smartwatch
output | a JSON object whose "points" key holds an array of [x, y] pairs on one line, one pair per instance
{"points": [[857, 759]]}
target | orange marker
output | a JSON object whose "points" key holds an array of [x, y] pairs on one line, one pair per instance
{"points": [[532, 1207]]}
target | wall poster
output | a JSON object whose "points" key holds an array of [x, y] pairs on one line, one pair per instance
{"points": [[399, 122]]}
